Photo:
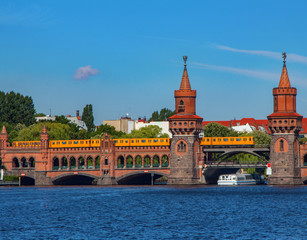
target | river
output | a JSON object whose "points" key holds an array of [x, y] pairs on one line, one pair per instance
{"points": [[153, 212]]}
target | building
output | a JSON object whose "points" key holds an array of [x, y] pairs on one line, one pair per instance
{"points": [[124, 124], [77, 120], [162, 124]]}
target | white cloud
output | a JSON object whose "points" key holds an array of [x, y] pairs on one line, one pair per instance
{"points": [[85, 72], [276, 55], [246, 72]]}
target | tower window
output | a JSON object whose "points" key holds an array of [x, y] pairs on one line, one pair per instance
{"points": [[181, 106], [181, 147], [281, 145]]}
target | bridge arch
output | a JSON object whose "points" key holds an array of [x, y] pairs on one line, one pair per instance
{"points": [[231, 153], [15, 162], [304, 180], [140, 177], [74, 179]]}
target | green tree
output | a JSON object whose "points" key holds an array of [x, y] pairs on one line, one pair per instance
{"points": [[16, 108], [88, 118], [55, 130], [103, 129], [150, 131], [218, 130], [163, 115], [39, 115]]}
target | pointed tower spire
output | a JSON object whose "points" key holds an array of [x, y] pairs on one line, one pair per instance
{"points": [[185, 82], [4, 130], [284, 79], [44, 129]]}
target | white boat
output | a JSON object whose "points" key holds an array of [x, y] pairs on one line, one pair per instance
{"points": [[236, 179]]}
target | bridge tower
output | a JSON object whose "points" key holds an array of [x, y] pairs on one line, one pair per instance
{"points": [[185, 127], [285, 125]]}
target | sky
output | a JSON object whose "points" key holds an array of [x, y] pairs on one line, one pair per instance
{"points": [[125, 57]]}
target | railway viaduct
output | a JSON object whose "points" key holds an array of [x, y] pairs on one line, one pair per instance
{"points": [[181, 162]]}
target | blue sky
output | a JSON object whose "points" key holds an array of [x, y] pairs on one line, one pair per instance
{"points": [[126, 56]]}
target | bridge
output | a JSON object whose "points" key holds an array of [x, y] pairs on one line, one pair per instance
{"points": [[183, 159]]}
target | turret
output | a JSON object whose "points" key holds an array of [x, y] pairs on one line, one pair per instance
{"points": [[3, 138], [44, 137]]}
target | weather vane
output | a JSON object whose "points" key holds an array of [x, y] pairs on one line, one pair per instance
{"points": [[185, 60], [284, 56]]}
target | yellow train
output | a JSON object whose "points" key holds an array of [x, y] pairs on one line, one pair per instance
{"points": [[136, 142], [74, 143], [96, 143], [26, 144], [139, 142], [227, 141]]}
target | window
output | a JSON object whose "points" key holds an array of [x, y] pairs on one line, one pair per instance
{"points": [[181, 147], [281, 145], [181, 102]]}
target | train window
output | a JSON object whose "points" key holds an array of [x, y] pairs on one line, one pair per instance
{"points": [[132, 141], [231, 139], [82, 142], [69, 142], [225, 139], [213, 139], [76, 142], [115, 141], [207, 139], [149, 140], [161, 140], [86, 142], [143, 141], [63, 142], [121, 141], [126, 141], [244, 139], [250, 139], [238, 139], [156, 140]]}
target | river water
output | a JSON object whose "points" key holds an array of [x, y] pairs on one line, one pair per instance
{"points": [[158, 212]]}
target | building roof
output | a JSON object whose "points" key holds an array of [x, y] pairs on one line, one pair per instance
{"points": [[284, 78], [185, 82], [185, 117]]}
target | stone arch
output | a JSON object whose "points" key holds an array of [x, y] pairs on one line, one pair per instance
{"points": [[138, 161], [55, 163], [31, 162], [120, 162], [126, 177], [81, 162], [147, 161], [129, 161], [304, 180], [165, 161], [24, 162], [15, 163], [90, 162], [106, 161], [70, 175], [97, 162], [72, 162], [281, 145], [156, 161], [305, 160], [64, 162]]}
